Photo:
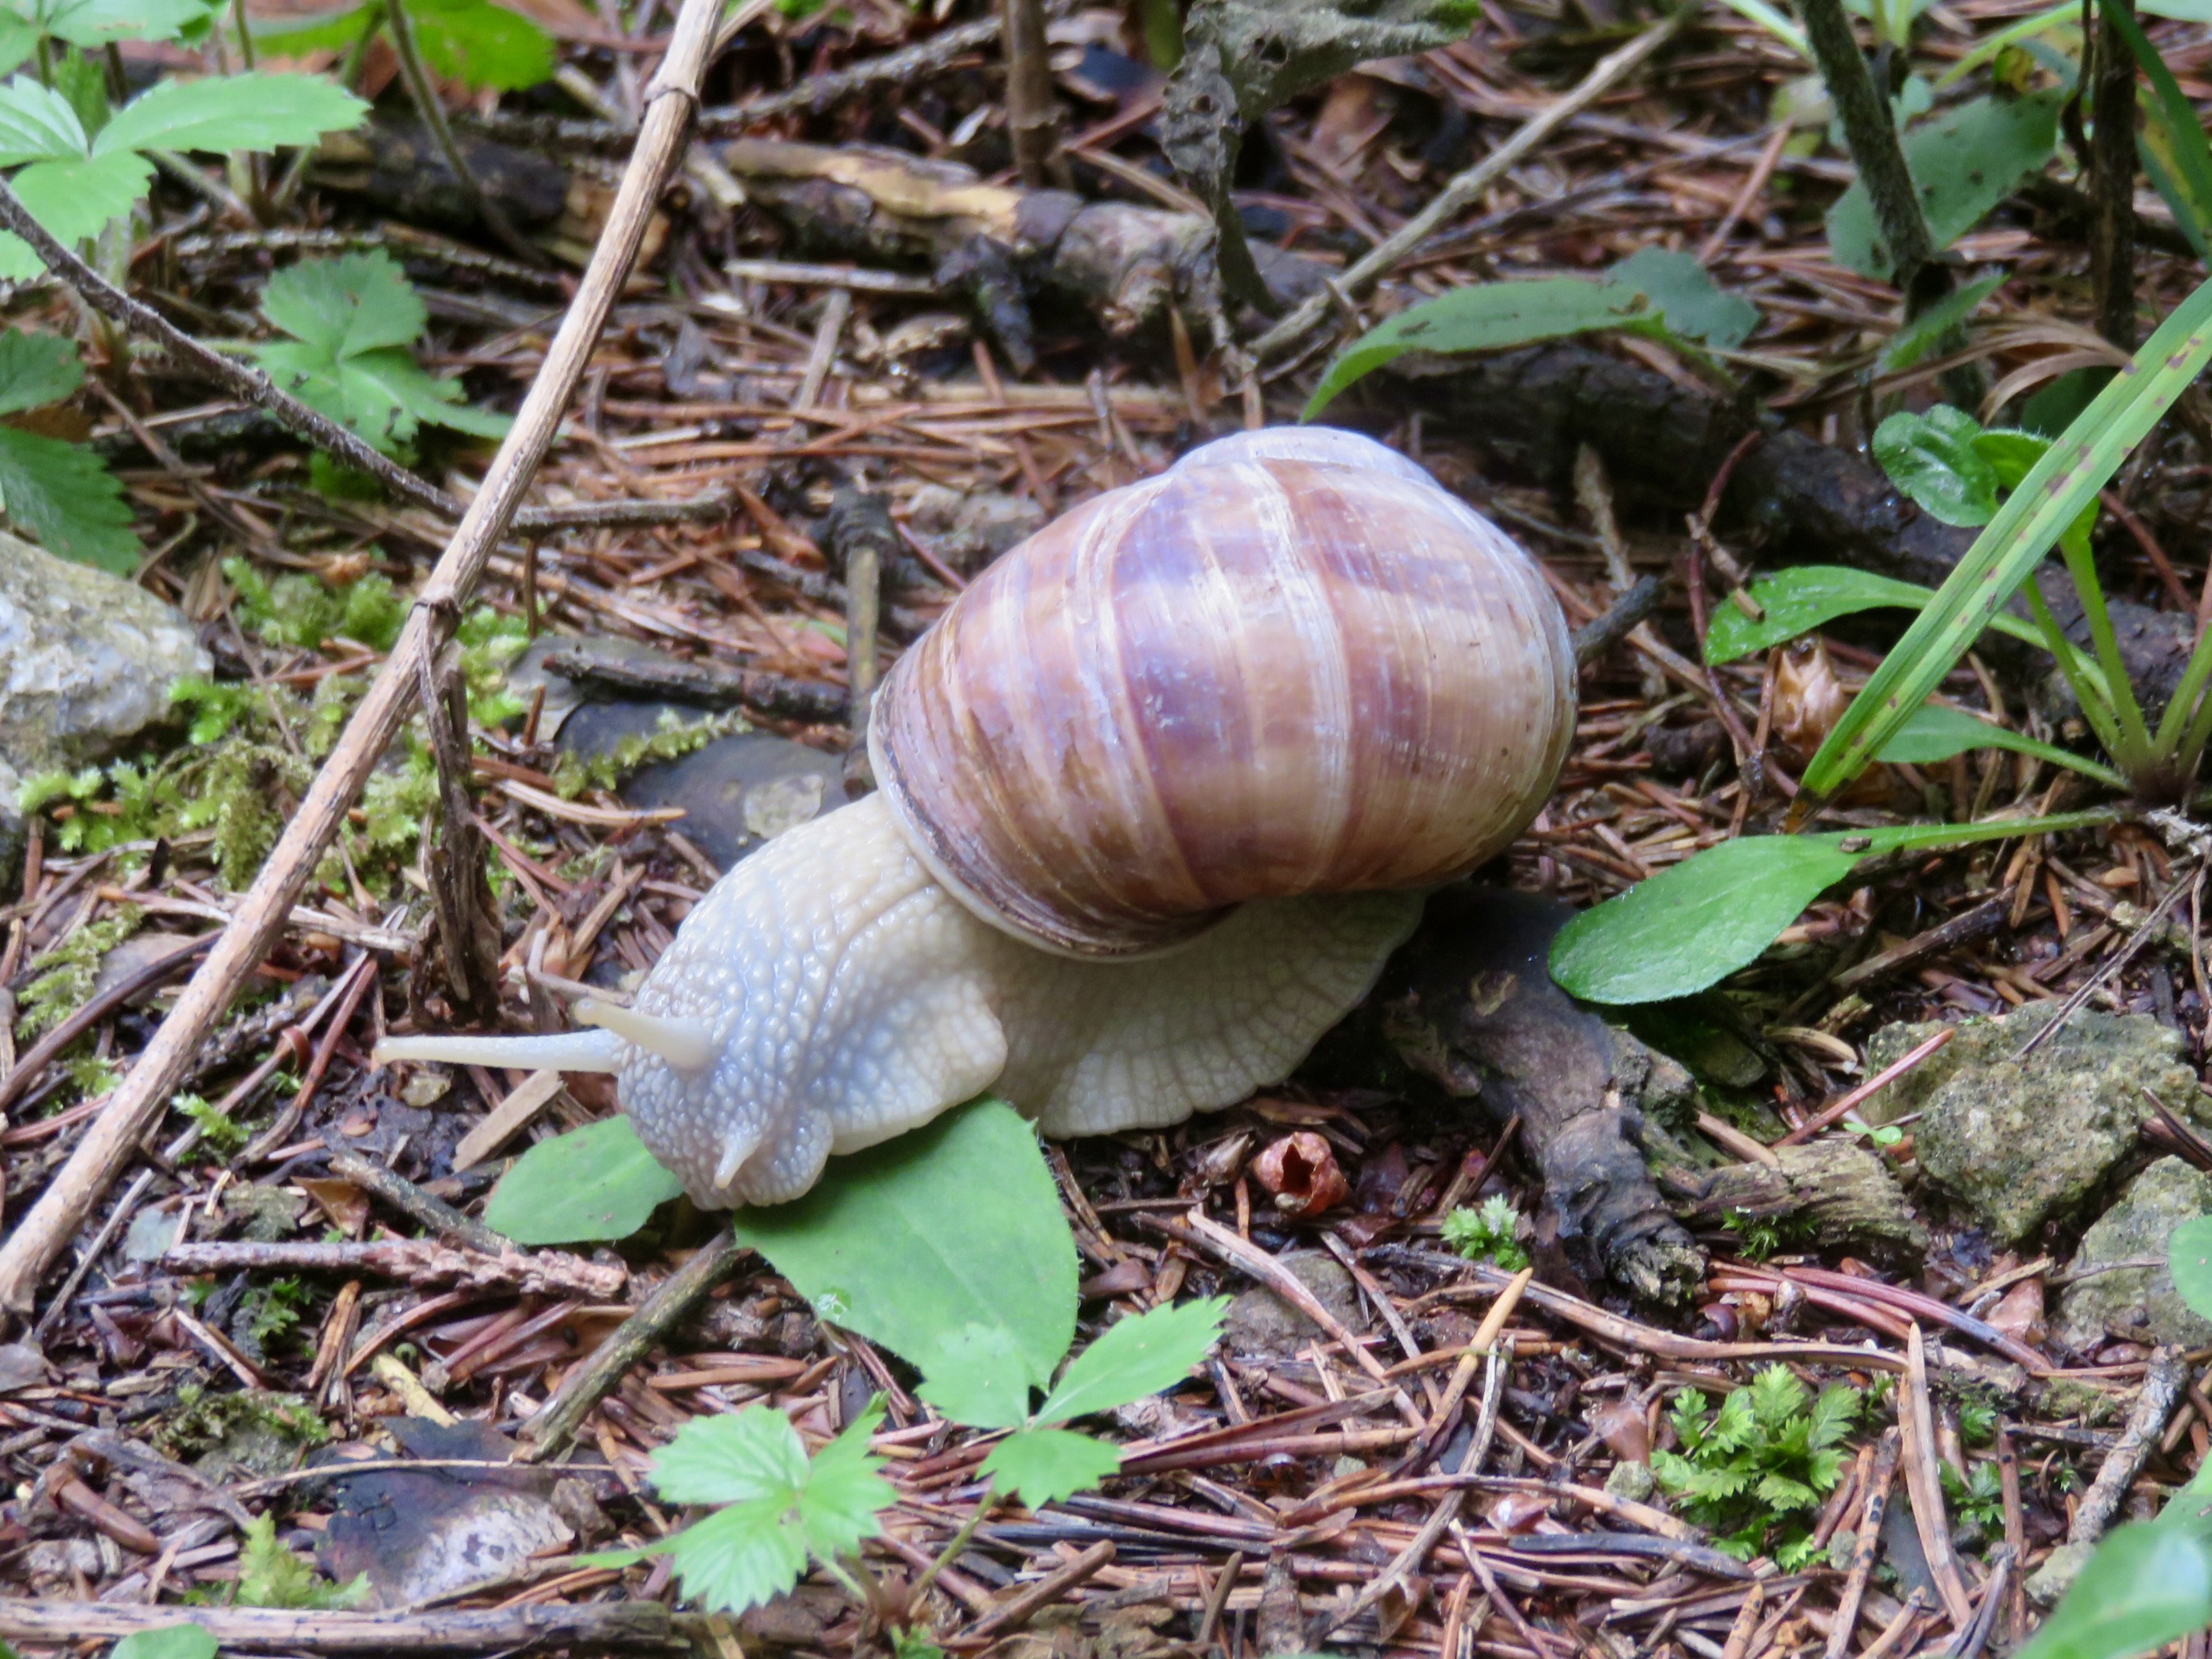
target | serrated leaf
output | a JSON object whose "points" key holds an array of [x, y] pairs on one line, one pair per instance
{"points": [[598, 1181], [354, 303], [1963, 162], [393, 378], [77, 199], [2145, 1586], [270, 1576], [843, 1495], [37, 123], [1833, 1413], [1050, 1466], [1933, 460], [36, 369], [953, 1225], [1779, 1492], [977, 1379], [738, 1558], [734, 1459], [99, 22], [170, 1642], [254, 111], [65, 496], [2044, 506], [1136, 1357], [1936, 733]]}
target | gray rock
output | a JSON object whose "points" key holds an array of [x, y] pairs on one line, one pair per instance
{"points": [[1262, 1324], [2138, 1303], [2049, 1583], [2017, 1144], [86, 662]]}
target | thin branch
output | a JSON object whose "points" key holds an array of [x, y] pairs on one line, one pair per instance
{"points": [[1032, 111], [2112, 181], [109, 1145], [1871, 133]]}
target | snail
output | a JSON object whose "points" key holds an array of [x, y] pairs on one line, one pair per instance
{"points": [[1158, 795]]}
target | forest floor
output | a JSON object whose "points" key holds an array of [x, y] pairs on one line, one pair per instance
{"points": [[760, 375]]}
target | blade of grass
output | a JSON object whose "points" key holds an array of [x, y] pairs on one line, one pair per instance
{"points": [[1990, 45], [2012, 543]]}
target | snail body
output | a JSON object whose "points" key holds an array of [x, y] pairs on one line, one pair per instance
{"points": [[1160, 793]]}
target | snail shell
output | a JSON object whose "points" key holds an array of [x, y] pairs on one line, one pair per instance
{"points": [[1291, 664]]}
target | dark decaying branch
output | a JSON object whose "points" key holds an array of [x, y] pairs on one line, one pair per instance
{"points": [[2112, 181]]}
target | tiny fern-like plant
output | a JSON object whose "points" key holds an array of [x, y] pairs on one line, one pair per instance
{"points": [[1752, 1470], [1488, 1233]]}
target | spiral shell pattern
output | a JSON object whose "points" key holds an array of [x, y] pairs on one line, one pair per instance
{"points": [[1291, 664]]}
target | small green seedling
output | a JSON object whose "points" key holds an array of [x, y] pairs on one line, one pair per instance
{"points": [[170, 1642], [1753, 1468], [270, 1576], [1489, 1233]]}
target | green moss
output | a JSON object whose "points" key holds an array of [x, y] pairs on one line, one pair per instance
{"points": [[256, 1431], [302, 611], [63, 977], [674, 738]]}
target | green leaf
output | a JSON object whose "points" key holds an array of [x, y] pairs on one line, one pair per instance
{"points": [[1683, 292], [37, 123], [1964, 162], [2189, 1254], [482, 45], [778, 1506], [2145, 1586], [36, 369], [351, 304], [598, 1181], [978, 1379], [1804, 597], [170, 1642], [1936, 733], [77, 199], [1695, 923], [1136, 1357], [1932, 459], [2047, 502], [1490, 316], [99, 22], [254, 111], [1050, 1466], [19, 39], [2172, 141], [64, 495], [1925, 332], [954, 1225]]}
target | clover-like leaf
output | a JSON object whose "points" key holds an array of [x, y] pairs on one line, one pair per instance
{"points": [[1140, 1356], [1047, 1465]]}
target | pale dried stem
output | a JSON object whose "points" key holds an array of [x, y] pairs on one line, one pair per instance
{"points": [[107, 1145]]}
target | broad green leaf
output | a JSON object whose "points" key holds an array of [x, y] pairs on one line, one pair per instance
{"points": [[17, 263], [78, 198], [64, 495], [1964, 162], [977, 1378], [1683, 292], [1932, 459], [1936, 732], [2145, 1586], [481, 45], [351, 304], [843, 1493], [2172, 141], [170, 1642], [598, 1181], [1050, 1466], [309, 32], [2189, 1254], [2190, 1508], [252, 111], [2047, 502], [1925, 332], [1136, 1357], [37, 123], [19, 39], [1488, 317], [953, 1225], [99, 22], [734, 1459], [420, 397], [1805, 597], [36, 369], [738, 1557], [1695, 923]]}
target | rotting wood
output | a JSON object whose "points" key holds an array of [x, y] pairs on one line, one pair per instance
{"points": [[270, 1629], [40, 1236], [415, 1260]]}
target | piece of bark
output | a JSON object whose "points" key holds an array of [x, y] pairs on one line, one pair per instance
{"points": [[1470, 1003], [1806, 503], [1845, 1192], [416, 1261]]}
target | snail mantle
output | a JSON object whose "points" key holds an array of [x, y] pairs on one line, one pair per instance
{"points": [[1161, 792]]}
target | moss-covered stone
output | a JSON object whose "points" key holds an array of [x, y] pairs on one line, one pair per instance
{"points": [[2140, 1303], [2015, 1144], [250, 1435]]}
